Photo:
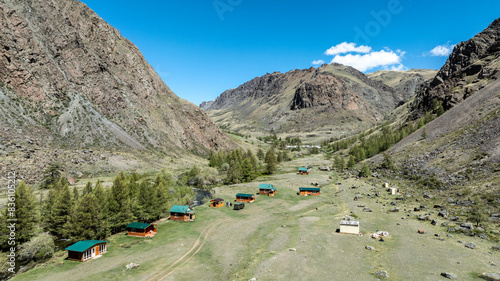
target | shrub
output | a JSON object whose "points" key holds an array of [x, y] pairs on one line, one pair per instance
{"points": [[39, 248]]}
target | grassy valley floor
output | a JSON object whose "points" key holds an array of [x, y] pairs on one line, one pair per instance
{"points": [[287, 237]]}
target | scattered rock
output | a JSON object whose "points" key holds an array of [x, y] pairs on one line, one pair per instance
{"points": [[367, 210], [395, 209], [454, 218], [132, 265], [443, 213], [449, 275], [292, 249], [495, 248], [490, 276], [253, 279], [470, 245], [382, 274], [369, 248], [434, 222]]}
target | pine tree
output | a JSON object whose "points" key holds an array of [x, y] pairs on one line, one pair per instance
{"points": [[260, 154], [102, 201], [25, 212], [271, 162], [387, 163], [119, 212], [280, 157], [339, 163], [60, 211], [76, 194], [351, 163], [247, 170], [88, 188], [424, 133], [146, 201], [85, 219], [51, 175], [234, 174]]}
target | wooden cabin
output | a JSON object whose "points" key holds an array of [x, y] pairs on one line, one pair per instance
{"points": [[267, 189], [303, 171], [216, 203], [309, 191], [243, 197], [140, 229], [350, 227], [393, 190], [181, 213], [86, 250]]}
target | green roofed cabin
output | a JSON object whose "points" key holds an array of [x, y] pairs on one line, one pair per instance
{"points": [[243, 197], [303, 171], [86, 250], [141, 229], [265, 188], [309, 191], [181, 213]]}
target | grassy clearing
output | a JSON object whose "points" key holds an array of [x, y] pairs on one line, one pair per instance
{"points": [[255, 241]]}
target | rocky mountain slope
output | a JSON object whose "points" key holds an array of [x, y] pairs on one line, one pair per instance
{"points": [[471, 65], [333, 98], [463, 144], [70, 80], [406, 82]]}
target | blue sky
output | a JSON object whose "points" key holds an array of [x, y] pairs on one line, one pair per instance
{"points": [[202, 48]]}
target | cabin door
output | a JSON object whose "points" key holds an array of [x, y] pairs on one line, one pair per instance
{"points": [[92, 252]]}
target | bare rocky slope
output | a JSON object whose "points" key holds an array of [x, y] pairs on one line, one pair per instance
{"points": [[70, 80], [463, 144], [472, 64], [333, 97]]}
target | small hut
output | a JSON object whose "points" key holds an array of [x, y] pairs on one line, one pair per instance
{"points": [[238, 205], [350, 227], [217, 203], [86, 250], [181, 213], [140, 229], [309, 191], [303, 171], [243, 197], [394, 190], [268, 189]]}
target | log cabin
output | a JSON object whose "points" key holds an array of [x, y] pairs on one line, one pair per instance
{"points": [[303, 171], [243, 197], [86, 250], [268, 189], [181, 213], [140, 229], [217, 203], [309, 191]]}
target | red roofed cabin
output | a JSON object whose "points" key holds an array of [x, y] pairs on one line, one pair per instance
{"points": [[217, 203], [309, 191], [140, 229], [243, 197], [268, 189], [86, 250], [181, 213]]}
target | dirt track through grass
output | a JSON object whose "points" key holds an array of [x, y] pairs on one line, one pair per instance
{"points": [[184, 258]]}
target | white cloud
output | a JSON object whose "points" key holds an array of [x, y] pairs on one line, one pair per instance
{"points": [[345, 47], [318, 62], [383, 58], [441, 50]]}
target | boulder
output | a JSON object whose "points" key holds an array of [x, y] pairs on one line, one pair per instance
{"points": [[449, 275], [382, 274], [443, 213], [369, 248], [490, 276], [470, 245], [394, 210], [367, 210], [434, 222]]}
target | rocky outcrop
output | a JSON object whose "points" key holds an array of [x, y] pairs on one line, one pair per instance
{"points": [[470, 66], [70, 78]]}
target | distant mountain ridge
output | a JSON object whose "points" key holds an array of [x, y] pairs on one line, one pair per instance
{"points": [[332, 97]]}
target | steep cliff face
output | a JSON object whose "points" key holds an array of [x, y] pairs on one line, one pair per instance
{"points": [[471, 65], [325, 98], [71, 79]]}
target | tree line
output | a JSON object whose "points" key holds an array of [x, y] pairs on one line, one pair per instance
{"points": [[94, 212]]}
